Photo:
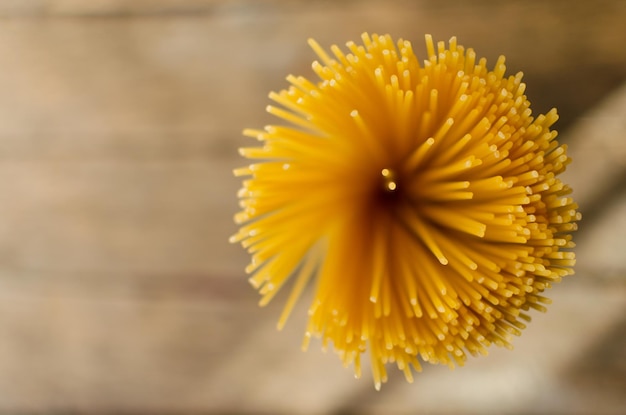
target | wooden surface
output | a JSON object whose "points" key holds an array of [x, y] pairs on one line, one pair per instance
{"points": [[119, 124]]}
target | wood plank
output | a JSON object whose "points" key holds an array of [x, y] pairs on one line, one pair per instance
{"points": [[119, 216]]}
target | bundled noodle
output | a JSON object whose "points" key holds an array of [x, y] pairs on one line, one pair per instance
{"points": [[422, 198]]}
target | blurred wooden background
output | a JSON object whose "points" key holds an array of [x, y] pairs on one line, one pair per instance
{"points": [[119, 124]]}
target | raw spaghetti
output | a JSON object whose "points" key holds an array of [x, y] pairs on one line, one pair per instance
{"points": [[422, 199]]}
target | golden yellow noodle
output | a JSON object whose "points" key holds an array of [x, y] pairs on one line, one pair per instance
{"points": [[421, 197]]}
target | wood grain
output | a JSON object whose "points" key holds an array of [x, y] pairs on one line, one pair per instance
{"points": [[119, 124]]}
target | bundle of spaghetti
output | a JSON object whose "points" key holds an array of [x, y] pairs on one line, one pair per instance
{"points": [[422, 198]]}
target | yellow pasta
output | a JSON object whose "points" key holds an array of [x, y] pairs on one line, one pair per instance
{"points": [[421, 197]]}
